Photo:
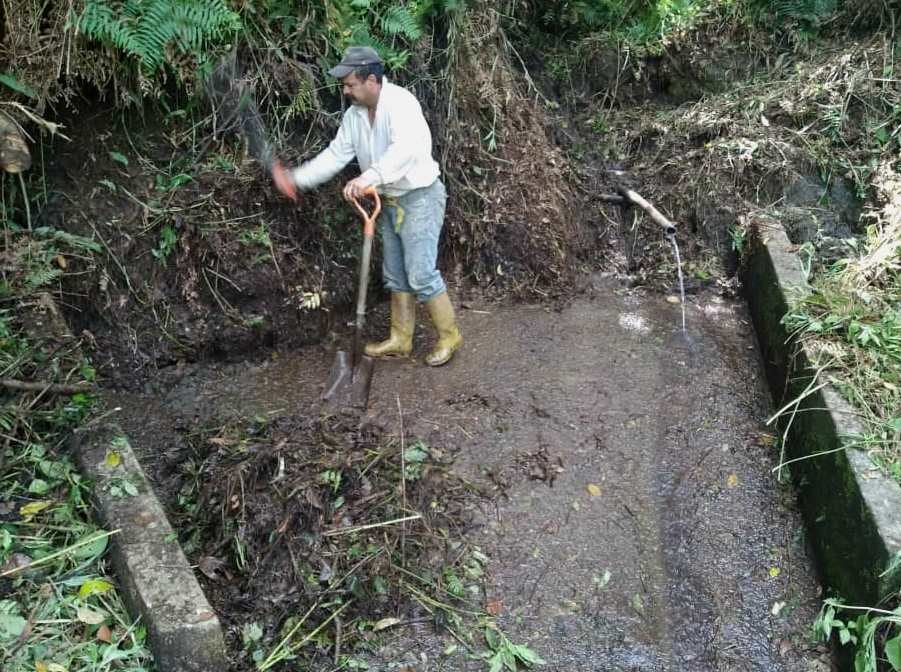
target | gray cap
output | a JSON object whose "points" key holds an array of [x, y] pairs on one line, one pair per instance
{"points": [[355, 57]]}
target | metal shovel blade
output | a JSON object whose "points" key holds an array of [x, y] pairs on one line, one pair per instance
{"points": [[348, 385]]}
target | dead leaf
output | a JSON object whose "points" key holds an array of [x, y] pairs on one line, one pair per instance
{"points": [[312, 498], [61, 261], [494, 607], [90, 616], [15, 561], [211, 567], [732, 480], [593, 490], [40, 666], [104, 634], [784, 647], [326, 573], [385, 623]]}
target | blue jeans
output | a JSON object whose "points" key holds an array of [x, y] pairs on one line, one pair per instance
{"points": [[410, 253]]}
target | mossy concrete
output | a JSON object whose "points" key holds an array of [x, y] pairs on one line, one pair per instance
{"points": [[852, 511], [154, 575]]}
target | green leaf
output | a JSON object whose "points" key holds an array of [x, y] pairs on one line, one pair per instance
{"points": [[416, 453], [94, 587], [893, 652], [16, 85], [492, 637], [496, 663], [509, 659], [118, 156], [91, 550], [38, 486], [11, 626], [525, 654]]}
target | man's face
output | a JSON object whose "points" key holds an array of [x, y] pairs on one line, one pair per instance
{"points": [[359, 91]]}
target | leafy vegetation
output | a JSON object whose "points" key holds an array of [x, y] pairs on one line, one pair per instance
{"points": [[154, 31], [869, 630], [60, 610], [852, 322]]}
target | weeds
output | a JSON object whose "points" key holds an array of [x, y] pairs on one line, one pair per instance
{"points": [[863, 628], [852, 323], [58, 611]]}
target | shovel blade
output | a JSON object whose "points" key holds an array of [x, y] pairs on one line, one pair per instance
{"points": [[362, 381], [348, 386], [338, 377]]}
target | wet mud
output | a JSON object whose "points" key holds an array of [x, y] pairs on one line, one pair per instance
{"points": [[634, 521]]}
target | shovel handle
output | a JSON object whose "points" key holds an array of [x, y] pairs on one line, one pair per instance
{"points": [[369, 219]]}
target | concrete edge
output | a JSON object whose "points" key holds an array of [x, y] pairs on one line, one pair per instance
{"points": [[156, 580], [852, 512]]}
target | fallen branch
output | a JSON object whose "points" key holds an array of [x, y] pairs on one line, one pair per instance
{"points": [[58, 388]]}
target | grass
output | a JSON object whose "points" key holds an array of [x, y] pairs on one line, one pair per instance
{"points": [[852, 322], [59, 608]]}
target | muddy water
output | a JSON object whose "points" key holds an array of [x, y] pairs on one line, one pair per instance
{"points": [[637, 525]]}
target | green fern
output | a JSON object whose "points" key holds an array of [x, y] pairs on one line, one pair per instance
{"points": [[146, 29], [399, 21], [41, 277]]}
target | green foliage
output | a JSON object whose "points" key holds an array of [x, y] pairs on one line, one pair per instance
{"points": [[852, 320], [637, 22], [866, 630], [147, 30], [505, 655], [800, 19], [167, 242]]}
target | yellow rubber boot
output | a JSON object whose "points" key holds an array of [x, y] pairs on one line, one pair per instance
{"points": [[403, 319], [449, 338]]}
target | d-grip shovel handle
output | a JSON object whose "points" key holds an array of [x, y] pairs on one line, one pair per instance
{"points": [[369, 219]]}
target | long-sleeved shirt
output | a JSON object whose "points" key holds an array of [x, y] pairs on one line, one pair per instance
{"points": [[394, 151]]}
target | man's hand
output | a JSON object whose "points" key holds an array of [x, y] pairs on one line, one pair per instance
{"points": [[355, 188], [284, 182]]}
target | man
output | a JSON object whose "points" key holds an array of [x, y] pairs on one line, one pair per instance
{"points": [[385, 130]]}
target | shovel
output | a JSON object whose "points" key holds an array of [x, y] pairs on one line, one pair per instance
{"points": [[351, 375]]}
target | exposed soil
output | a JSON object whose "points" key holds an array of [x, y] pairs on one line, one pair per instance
{"points": [[592, 479], [620, 475]]}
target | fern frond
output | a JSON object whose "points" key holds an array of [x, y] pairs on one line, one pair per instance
{"points": [[145, 29], [41, 277], [399, 21]]}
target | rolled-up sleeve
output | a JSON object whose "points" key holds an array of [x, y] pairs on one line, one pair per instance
{"points": [[330, 161]]}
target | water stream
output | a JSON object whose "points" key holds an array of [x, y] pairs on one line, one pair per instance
{"points": [[681, 279]]}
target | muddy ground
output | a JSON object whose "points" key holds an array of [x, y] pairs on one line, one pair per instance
{"points": [[618, 478]]}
